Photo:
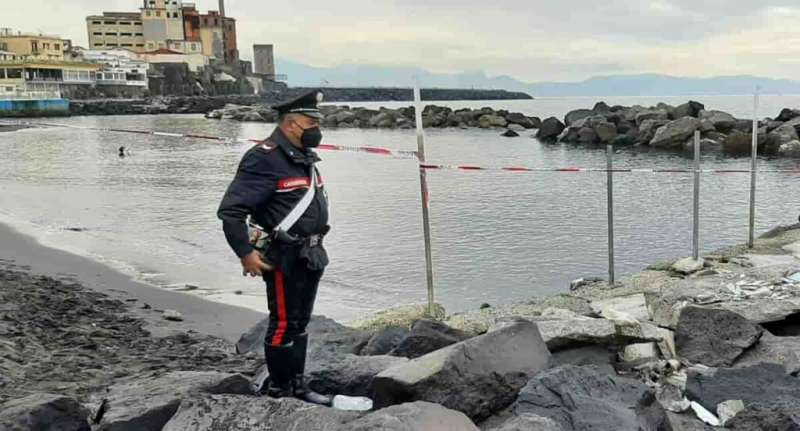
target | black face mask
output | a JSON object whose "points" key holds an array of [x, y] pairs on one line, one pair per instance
{"points": [[311, 137]]}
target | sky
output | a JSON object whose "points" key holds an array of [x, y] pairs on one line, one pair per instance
{"points": [[530, 40]]}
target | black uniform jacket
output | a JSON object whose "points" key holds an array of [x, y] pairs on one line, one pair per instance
{"points": [[268, 185]]}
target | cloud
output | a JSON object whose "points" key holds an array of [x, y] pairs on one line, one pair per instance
{"points": [[532, 40]]}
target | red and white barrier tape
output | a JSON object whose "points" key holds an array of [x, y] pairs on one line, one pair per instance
{"points": [[429, 166], [399, 154], [325, 147]]}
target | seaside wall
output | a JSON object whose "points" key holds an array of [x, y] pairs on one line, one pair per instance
{"points": [[33, 108]]}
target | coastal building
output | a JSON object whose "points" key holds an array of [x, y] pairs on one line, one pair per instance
{"points": [[264, 59], [116, 29], [171, 25], [118, 67], [31, 74], [34, 46], [194, 62]]}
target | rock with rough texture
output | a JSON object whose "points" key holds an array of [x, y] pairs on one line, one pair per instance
{"points": [[528, 422], [738, 143], [576, 331], [689, 109], [348, 374], [633, 305], [773, 350], [654, 115], [685, 422], [776, 415], [637, 353], [762, 383], [487, 121], [714, 337], [581, 398], [605, 131], [550, 129], [722, 121], [44, 412], [416, 416], [383, 341], [248, 413], [688, 265], [509, 134], [469, 376], [150, 403], [426, 336], [675, 133], [599, 357], [790, 149], [577, 115]]}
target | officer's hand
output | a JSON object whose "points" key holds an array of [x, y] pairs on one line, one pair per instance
{"points": [[253, 265]]}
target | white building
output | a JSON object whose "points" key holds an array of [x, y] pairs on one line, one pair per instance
{"points": [[118, 66]]}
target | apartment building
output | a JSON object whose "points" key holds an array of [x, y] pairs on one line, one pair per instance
{"points": [[34, 46], [116, 30]]}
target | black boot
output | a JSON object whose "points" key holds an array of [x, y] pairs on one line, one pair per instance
{"points": [[279, 362], [299, 388]]}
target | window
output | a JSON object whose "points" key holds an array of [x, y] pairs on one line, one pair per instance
{"points": [[57, 47], [124, 23], [147, 13], [112, 44], [175, 15], [158, 13], [139, 34], [216, 22], [111, 34], [14, 73], [97, 22], [110, 23], [126, 34], [97, 33], [3, 46], [194, 47], [137, 23], [98, 44], [205, 21], [34, 46], [127, 44], [139, 45]]}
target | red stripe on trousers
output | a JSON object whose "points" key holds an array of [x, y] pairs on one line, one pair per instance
{"points": [[281, 299]]}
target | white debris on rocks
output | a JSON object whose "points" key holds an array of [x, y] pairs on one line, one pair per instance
{"points": [[728, 409], [172, 316], [705, 415]]}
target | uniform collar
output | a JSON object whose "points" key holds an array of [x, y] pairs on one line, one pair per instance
{"points": [[297, 155]]}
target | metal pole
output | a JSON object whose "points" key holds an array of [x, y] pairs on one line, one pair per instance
{"points": [[423, 183], [696, 223], [753, 165], [610, 193]]}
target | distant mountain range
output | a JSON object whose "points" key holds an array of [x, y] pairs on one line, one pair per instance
{"points": [[349, 75]]}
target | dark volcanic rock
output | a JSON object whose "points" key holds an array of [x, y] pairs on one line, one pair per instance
{"points": [[478, 377], [417, 416], [714, 337], [689, 109], [510, 134], [349, 374], [787, 114], [773, 350], [425, 337], [44, 412], [600, 357], [384, 341], [551, 128], [686, 422], [763, 383], [249, 413], [577, 115], [581, 398], [780, 415], [145, 404]]}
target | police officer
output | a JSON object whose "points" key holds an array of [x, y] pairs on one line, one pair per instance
{"points": [[272, 179]]}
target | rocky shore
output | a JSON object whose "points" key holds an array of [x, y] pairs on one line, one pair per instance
{"points": [[672, 128], [204, 104], [685, 345], [662, 127], [385, 118]]}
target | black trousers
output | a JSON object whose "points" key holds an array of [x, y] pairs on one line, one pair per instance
{"points": [[290, 298]]}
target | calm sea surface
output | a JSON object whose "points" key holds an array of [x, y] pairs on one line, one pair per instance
{"points": [[497, 236]]}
